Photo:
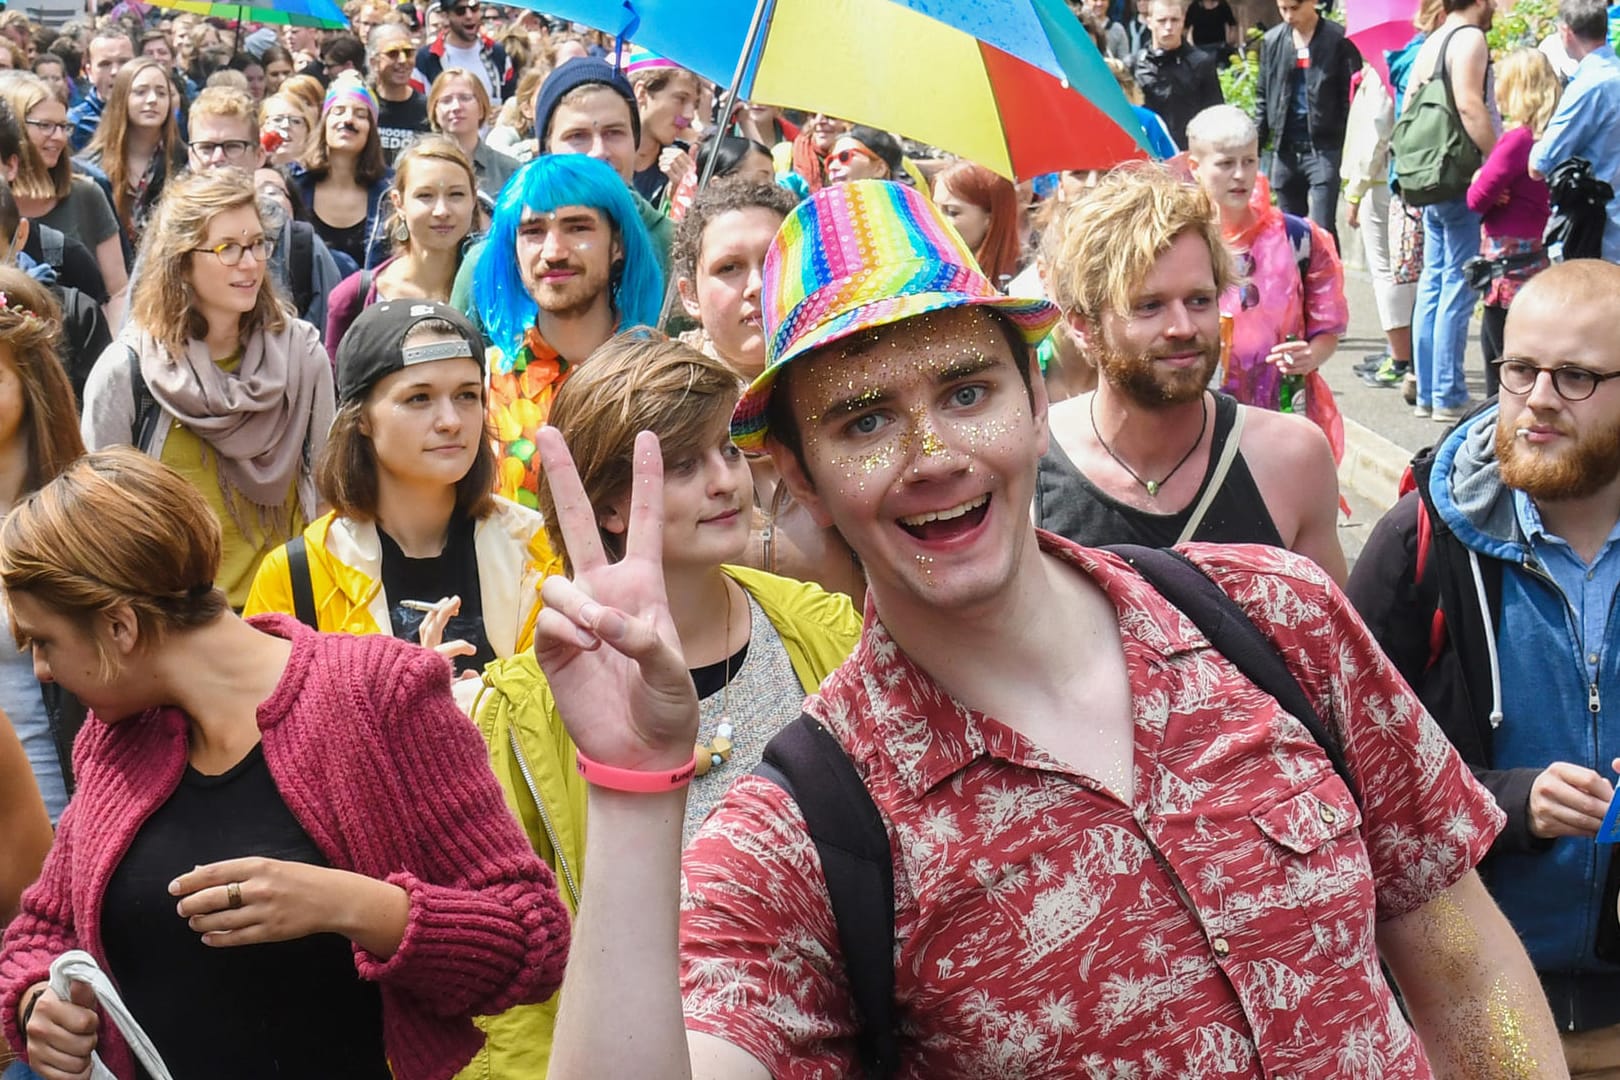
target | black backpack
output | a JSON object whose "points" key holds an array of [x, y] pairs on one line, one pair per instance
{"points": [[853, 844]]}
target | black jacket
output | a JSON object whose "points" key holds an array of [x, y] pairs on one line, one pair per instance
{"points": [[1334, 59], [1400, 612], [1178, 84]]}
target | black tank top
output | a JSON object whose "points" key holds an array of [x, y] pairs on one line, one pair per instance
{"points": [[1072, 506]]}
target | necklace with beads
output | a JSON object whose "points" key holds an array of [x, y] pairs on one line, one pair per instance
{"points": [[717, 751], [1152, 486]]}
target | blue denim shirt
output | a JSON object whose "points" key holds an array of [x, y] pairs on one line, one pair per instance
{"points": [[1590, 589], [1587, 125]]}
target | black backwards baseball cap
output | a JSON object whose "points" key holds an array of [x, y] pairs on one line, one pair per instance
{"points": [[374, 345]]}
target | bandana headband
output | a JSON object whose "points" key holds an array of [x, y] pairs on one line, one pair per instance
{"points": [[350, 92]]}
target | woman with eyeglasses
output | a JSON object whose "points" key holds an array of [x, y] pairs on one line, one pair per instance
{"points": [[431, 203], [458, 107], [137, 143], [50, 192], [402, 112], [284, 126], [214, 377], [344, 178]]}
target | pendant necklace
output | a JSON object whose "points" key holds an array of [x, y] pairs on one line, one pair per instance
{"points": [[717, 751], [1152, 486]]}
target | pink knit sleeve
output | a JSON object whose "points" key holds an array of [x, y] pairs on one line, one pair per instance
{"points": [[42, 930], [486, 929], [1326, 310]]}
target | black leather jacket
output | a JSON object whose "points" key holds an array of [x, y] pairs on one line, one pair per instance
{"points": [[1334, 59], [1178, 84]]}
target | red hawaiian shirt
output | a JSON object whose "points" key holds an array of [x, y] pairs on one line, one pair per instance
{"points": [[1222, 926]]}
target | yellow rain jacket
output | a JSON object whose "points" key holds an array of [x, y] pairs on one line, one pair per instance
{"points": [[345, 570], [533, 759]]}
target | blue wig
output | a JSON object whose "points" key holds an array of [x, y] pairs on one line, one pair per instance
{"points": [[544, 184]]}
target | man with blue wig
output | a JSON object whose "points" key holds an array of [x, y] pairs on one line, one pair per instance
{"points": [[567, 265]]}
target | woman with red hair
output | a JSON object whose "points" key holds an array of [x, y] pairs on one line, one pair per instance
{"points": [[984, 209]]}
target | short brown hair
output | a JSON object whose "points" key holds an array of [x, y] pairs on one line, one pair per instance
{"points": [[346, 471], [163, 304], [156, 546], [1106, 243], [717, 200], [30, 324], [638, 381]]}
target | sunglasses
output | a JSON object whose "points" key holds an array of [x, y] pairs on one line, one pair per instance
{"points": [[400, 52], [465, 9], [847, 157]]}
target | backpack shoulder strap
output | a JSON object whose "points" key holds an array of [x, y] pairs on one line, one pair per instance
{"points": [[1236, 637], [52, 245], [300, 265], [366, 277], [147, 411], [808, 763], [303, 588]]}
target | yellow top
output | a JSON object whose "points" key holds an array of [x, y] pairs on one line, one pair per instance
{"points": [[188, 454]]}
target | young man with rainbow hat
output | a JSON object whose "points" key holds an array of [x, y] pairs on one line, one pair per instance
{"points": [[1111, 853]]}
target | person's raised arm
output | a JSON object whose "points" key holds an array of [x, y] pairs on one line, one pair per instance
{"points": [[1467, 61], [609, 650], [1473, 997]]}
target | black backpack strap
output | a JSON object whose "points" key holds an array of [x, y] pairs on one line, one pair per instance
{"points": [[1235, 636], [300, 265], [147, 410], [303, 588], [808, 763]]}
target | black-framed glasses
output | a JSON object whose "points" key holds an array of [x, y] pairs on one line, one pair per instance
{"points": [[49, 127], [233, 149], [231, 253], [1570, 381], [465, 9]]}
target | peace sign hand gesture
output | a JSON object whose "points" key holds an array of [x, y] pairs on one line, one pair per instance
{"points": [[605, 639]]}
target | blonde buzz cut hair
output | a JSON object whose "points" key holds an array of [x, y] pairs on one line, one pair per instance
{"points": [[1222, 127], [1109, 239]]}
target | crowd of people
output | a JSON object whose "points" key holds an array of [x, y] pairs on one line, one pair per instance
{"points": [[520, 565]]}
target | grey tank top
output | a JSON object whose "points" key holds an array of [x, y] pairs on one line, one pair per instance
{"points": [[1069, 504]]}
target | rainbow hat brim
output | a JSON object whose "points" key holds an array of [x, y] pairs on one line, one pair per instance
{"points": [[855, 257]]}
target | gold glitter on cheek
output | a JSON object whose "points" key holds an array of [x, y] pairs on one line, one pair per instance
{"points": [[1507, 1046]]}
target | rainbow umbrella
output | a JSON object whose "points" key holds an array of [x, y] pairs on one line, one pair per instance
{"points": [[1015, 85], [1379, 26], [323, 13]]}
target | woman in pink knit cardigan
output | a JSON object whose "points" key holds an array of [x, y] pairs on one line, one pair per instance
{"points": [[286, 848]]}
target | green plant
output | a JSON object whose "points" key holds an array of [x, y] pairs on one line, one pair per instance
{"points": [[1526, 23], [1240, 76]]}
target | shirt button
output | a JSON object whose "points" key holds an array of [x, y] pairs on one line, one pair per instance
{"points": [[1329, 815], [1592, 658], [1220, 946]]}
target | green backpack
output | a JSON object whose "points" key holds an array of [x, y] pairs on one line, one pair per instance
{"points": [[1435, 160]]}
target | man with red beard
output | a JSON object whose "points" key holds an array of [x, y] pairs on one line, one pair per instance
{"points": [[1152, 456], [1494, 588]]}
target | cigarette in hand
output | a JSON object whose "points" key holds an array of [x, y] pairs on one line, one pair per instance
{"points": [[419, 605]]}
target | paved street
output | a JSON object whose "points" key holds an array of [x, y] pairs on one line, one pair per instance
{"points": [[1367, 477]]}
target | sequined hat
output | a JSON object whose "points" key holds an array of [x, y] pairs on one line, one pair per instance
{"points": [[857, 256]]}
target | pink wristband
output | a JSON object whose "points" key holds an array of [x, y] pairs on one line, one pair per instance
{"points": [[634, 781]]}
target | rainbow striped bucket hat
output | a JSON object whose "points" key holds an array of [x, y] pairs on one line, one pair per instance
{"points": [[857, 256]]}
